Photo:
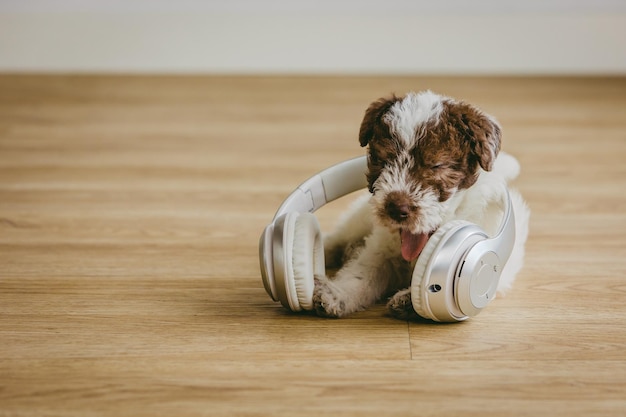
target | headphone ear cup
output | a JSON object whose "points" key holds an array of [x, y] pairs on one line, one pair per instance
{"points": [[307, 260], [420, 278]]}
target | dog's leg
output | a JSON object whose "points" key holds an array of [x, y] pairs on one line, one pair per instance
{"points": [[400, 305], [348, 237], [353, 289], [361, 281]]}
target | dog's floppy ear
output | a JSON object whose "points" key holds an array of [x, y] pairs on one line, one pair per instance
{"points": [[487, 139], [481, 131], [372, 117]]}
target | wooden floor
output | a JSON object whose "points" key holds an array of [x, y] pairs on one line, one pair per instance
{"points": [[130, 211]]}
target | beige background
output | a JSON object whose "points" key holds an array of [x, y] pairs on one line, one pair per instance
{"points": [[281, 36]]}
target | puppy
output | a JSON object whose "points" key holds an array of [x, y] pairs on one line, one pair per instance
{"points": [[424, 152]]}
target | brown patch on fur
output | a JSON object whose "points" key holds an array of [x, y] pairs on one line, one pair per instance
{"points": [[454, 147], [372, 127], [371, 124], [473, 126]]}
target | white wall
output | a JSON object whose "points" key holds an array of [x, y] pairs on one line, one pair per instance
{"points": [[324, 36]]}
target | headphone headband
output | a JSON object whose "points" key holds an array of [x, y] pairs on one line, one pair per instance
{"points": [[330, 184], [503, 241]]}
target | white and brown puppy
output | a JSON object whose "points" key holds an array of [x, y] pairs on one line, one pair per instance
{"points": [[423, 151]]}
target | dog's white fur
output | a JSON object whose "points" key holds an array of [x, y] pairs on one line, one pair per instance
{"points": [[369, 245], [407, 115]]}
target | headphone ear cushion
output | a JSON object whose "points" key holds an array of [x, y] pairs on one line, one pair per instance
{"points": [[307, 259], [422, 264]]}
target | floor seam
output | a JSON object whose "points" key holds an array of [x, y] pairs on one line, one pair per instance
{"points": [[408, 328]]}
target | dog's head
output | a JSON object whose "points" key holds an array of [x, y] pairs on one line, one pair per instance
{"points": [[422, 149]]}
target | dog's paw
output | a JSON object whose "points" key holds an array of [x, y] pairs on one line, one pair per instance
{"points": [[325, 302], [400, 305]]}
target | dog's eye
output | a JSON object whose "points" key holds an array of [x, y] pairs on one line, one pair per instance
{"points": [[437, 166]]}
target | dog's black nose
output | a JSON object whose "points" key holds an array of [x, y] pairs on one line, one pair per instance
{"points": [[398, 212], [398, 206]]}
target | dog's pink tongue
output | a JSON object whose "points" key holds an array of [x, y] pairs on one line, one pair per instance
{"points": [[412, 244]]}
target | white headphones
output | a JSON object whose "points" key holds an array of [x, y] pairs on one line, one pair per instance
{"points": [[454, 278]]}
